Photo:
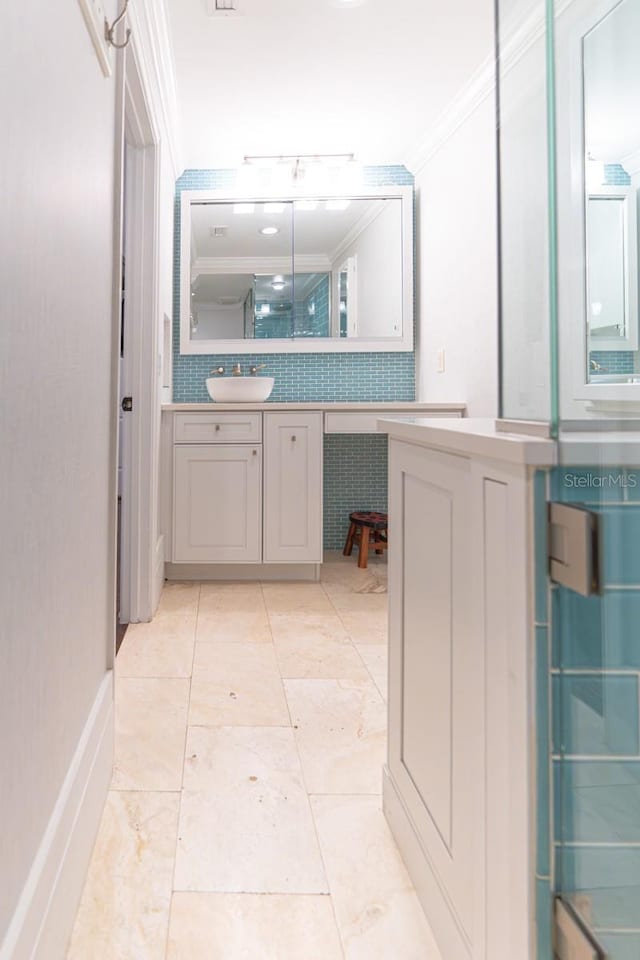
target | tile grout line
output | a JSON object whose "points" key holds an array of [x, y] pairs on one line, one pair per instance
{"points": [[184, 760]]}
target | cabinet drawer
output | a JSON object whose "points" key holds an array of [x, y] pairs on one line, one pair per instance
{"points": [[218, 428]]}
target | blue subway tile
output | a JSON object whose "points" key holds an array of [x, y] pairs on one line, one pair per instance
{"points": [[597, 801], [540, 532], [609, 878], [595, 715], [620, 946], [543, 753], [597, 633], [621, 539], [544, 920]]}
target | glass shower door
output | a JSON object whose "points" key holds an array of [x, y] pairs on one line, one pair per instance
{"points": [[595, 650]]}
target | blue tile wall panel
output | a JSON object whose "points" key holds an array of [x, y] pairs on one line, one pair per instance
{"points": [[597, 801], [595, 715], [355, 478]]}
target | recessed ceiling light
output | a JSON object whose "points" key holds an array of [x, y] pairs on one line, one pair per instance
{"points": [[269, 231], [244, 207], [278, 286]]}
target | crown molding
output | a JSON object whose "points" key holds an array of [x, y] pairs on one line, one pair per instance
{"points": [[150, 34], [517, 40]]}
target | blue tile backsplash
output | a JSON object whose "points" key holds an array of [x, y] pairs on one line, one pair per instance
{"points": [[594, 717]]}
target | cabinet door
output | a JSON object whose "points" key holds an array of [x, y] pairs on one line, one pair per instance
{"points": [[217, 514], [435, 666], [293, 488]]}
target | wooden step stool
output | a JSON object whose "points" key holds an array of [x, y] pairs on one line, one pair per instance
{"points": [[366, 528]]}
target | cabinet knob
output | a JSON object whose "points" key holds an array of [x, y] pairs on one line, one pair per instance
{"points": [[217, 426], [294, 438], [255, 453]]}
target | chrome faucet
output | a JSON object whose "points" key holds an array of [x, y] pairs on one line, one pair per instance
{"points": [[236, 371], [254, 369], [594, 365], [218, 371]]}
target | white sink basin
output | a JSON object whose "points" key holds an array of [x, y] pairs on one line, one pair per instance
{"points": [[240, 389]]}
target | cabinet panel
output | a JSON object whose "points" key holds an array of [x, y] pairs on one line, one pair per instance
{"points": [[435, 695], [293, 488], [217, 504]]}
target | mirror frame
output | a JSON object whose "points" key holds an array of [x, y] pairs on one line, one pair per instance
{"points": [[404, 343]]}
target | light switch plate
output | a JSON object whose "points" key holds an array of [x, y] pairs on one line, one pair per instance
{"points": [[94, 15]]}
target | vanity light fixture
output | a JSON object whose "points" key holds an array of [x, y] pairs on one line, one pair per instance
{"points": [[338, 204], [269, 231], [244, 208]]}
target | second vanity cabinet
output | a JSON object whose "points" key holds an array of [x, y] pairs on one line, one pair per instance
{"points": [[247, 488]]}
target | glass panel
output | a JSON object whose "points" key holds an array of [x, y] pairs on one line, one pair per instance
{"points": [[524, 221], [596, 654]]}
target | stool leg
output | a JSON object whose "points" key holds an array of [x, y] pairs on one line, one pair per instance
{"points": [[363, 557], [348, 546]]}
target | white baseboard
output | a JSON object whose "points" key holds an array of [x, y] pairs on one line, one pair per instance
{"points": [[43, 920], [434, 901], [242, 571]]}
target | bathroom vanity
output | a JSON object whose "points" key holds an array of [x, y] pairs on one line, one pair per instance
{"points": [[460, 783], [242, 484]]}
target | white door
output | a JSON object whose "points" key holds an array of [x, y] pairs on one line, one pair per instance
{"points": [[435, 695], [217, 503], [293, 487]]}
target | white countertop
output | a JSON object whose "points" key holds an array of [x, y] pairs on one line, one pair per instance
{"points": [[341, 407], [472, 437]]}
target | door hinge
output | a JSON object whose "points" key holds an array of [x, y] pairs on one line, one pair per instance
{"points": [[574, 548], [571, 938]]}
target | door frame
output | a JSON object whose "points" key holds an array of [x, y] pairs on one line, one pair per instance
{"points": [[141, 574]]}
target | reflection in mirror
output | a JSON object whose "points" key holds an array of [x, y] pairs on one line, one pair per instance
{"points": [[330, 268], [612, 177]]}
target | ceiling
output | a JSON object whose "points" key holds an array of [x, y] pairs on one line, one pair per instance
{"points": [[612, 85], [309, 76]]}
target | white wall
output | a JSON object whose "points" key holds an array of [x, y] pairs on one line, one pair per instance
{"points": [[219, 323], [457, 265], [57, 459]]}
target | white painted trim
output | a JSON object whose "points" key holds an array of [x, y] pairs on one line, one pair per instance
{"points": [[404, 344], [43, 919], [480, 85], [151, 46], [140, 579]]}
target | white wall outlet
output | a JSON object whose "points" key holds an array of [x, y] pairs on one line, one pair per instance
{"points": [[95, 15], [440, 360]]}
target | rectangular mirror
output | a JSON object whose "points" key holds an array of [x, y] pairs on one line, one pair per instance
{"points": [[296, 274], [611, 85]]}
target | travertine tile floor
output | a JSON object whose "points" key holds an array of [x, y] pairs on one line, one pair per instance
{"points": [[244, 820]]}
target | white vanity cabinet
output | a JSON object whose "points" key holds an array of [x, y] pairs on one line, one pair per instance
{"points": [[227, 509], [293, 487]]}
